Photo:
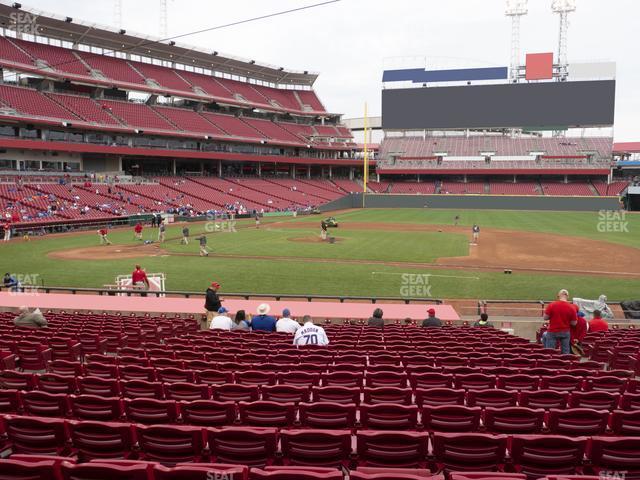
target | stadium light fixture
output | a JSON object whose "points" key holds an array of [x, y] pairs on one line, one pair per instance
{"points": [[215, 53], [563, 8], [68, 19], [172, 43], [122, 31], [252, 62], [16, 5], [515, 9]]}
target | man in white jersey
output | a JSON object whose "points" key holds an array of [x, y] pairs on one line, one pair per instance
{"points": [[310, 334]]}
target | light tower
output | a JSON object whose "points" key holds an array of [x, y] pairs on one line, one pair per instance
{"points": [[117, 13], [563, 8], [164, 20], [515, 9]]}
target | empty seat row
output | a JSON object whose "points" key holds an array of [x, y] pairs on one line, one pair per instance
{"points": [[533, 455], [572, 421]]}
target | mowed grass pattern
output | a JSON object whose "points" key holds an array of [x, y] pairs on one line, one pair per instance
{"points": [[323, 276]]}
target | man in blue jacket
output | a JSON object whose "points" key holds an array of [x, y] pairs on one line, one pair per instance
{"points": [[263, 321]]}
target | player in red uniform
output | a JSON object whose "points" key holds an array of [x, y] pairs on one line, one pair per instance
{"points": [[103, 236], [138, 231]]}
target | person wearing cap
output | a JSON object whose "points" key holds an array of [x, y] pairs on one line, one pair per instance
{"points": [[376, 319], [286, 323], [432, 321], [597, 323], [483, 321], [561, 315], [212, 302], [263, 321], [221, 321]]}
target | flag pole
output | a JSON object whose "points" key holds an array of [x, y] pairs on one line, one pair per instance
{"points": [[366, 157]]}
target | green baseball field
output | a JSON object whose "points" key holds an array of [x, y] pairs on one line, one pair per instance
{"points": [[413, 253]]}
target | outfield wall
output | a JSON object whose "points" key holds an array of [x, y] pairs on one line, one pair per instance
{"points": [[475, 202]]}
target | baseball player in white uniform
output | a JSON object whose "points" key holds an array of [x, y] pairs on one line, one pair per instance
{"points": [[310, 334]]}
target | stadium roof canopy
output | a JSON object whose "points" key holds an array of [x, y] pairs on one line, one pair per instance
{"points": [[626, 147], [69, 29]]}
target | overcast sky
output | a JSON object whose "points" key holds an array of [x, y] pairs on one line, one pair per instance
{"points": [[350, 42]]}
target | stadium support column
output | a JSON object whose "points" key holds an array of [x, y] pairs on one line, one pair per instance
{"points": [[219, 168], [292, 171], [259, 169], [350, 173], [330, 172], [515, 9], [173, 166], [309, 172]]}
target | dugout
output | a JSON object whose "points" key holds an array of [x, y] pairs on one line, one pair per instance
{"points": [[631, 199]]}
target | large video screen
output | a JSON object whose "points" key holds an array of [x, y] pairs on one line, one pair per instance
{"points": [[530, 105]]}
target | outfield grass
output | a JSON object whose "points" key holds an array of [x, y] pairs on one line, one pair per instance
{"points": [[299, 276]]}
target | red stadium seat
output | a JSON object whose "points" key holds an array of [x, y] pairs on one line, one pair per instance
{"points": [[439, 396], [102, 440], [93, 407], [53, 383], [200, 471], [545, 399], [373, 473], [37, 436], [267, 414], [336, 394], [11, 469], [43, 404], [540, 455], [431, 380], [151, 411], [342, 379], [626, 423], [182, 391], [325, 415], [142, 389], [392, 449], [513, 420], [387, 395], [105, 387], [255, 447], [209, 413], [518, 382], [322, 448], [235, 393], [212, 377], [295, 473], [451, 418], [577, 421], [286, 393], [597, 400], [459, 452], [101, 471], [170, 444], [476, 381], [9, 401], [389, 416], [615, 454], [492, 398]]}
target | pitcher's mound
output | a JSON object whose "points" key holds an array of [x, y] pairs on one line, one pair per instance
{"points": [[313, 239], [108, 252]]}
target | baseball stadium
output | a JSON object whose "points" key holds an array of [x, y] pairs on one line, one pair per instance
{"points": [[211, 275]]}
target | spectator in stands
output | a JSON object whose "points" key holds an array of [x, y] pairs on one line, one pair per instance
{"points": [[431, 320], [578, 332], [376, 319], [483, 321], [286, 323], [241, 322], [30, 319], [263, 321], [139, 280], [11, 282], [212, 302], [310, 334], [597, 323], [221, 321], [561, 315]]}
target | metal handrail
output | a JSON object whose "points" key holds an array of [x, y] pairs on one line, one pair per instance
{"points": [[246, 296]]}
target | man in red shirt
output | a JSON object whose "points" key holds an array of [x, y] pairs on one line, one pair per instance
{"points": [[103, 236], [138, 231], [561, 316], [597, 323], [139, 279]]}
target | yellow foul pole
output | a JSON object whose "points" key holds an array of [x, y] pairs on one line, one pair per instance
{"points": [[366, 157]]}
